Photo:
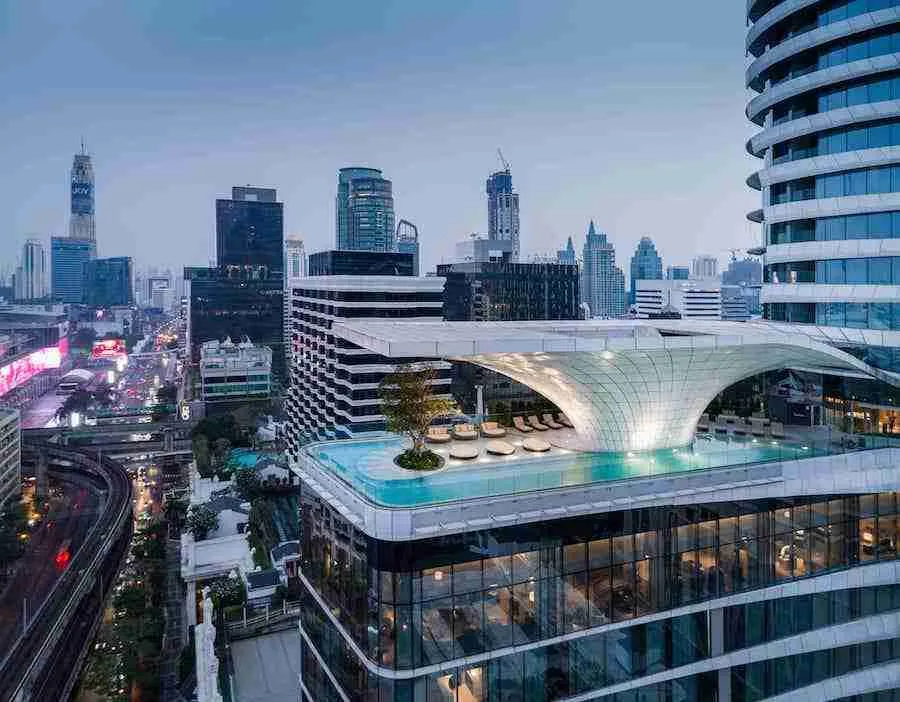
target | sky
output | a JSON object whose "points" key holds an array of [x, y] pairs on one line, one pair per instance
{"points": [[630, 114]]}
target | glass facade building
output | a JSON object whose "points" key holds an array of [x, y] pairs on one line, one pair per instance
{"points": [[503, 210], [109, 282], [646, 264], [602, 281], [81, 210], [250, 229], [827, 102], [68, 258], [364, 211]]}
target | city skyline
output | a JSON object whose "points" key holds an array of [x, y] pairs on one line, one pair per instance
{"points": [[154, 136]]}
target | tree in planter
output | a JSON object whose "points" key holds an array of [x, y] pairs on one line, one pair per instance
{"points": [[175, 510], [247, 484], [201, 521], [200, 446], [410, 408]]}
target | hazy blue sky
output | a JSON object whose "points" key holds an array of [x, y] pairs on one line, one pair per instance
{"points": [[627, 113]]}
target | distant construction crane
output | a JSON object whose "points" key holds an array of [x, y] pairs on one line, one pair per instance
{"points": [[503, 161]]}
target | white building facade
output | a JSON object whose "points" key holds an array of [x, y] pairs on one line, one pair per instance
{"points": [[230, 371], [699, 299]]}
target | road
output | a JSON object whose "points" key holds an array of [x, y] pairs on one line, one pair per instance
{"points": [[38, 571]]}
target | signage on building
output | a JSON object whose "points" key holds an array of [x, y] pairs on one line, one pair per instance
{"points": [[108, 348]]}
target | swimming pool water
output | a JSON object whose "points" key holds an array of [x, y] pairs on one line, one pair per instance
{"points": [[367, 466]]}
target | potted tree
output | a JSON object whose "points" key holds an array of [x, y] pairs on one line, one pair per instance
{"points": [[409, 406]]}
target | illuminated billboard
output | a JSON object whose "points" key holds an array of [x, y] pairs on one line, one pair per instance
{"points": [[17, 372], [108, 348]]}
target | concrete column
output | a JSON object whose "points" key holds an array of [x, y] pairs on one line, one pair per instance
{"points": [[190, 602]]}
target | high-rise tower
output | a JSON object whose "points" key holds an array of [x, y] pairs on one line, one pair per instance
{"points": [[603, 283], [81, 212], [826, 84], [503, 210], [646, 264], [250, 229], [364, 211]]}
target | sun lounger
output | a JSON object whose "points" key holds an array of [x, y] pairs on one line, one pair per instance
{"points": [[520, 424], [777, 430], [464, 452], [537, 423], [500, 448], [536, 445], [757, 427], [437, 435], [547, 418], [565, 421], [492, 430], [466, 432]]}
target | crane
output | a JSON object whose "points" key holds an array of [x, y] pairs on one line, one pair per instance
{"points": [[503, 161]]}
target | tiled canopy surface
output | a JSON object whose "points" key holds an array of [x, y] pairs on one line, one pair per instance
{"points": [[625, 385]]}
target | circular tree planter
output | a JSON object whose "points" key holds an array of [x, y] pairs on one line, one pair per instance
{"points": [[407, 461]]}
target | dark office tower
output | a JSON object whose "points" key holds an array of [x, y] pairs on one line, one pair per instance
{"points": [[236, 302], [408, 241], [81, 213], [503, 210], [364, 211], [109, 282], [250, 229], [567, 255], [67, 260]]}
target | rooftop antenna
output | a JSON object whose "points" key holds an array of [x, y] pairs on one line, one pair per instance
{"points": [[82, 146], [503, 160]]}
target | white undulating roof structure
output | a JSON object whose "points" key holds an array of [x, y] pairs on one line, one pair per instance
{"points": [[626, 384]]}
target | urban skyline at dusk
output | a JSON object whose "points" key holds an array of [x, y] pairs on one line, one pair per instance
{"points": [[580, 109]]}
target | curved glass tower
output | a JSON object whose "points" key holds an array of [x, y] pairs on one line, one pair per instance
{"points": [[826, 78]]}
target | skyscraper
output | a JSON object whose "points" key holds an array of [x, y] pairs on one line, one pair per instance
{"points": [[81, 212], [503, 210], [703, 267], [250, 229], [67, 260], [678, 273], [294, 258], [408, 241], [603, 282], [109, 282], [646, 264], [31, 275], [364, 211], [826, 89], [567, 255]]}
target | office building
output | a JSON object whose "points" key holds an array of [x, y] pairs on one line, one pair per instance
{"points": [[31, 277], [745, 271], [407, 239], [250, 229], [375, 263], [704, 267], [81, 211], [235, 372], [108, 282], [691, 299], [635, 563], [68, 258], [334, 384], [602, 281], [646, 264], [364, 211], [567, 255], [159, 293], [294, 258], [678, 273], [503, 210], [235, 302], [735, 305], [506, 291], [478, 248], [10, 457]]}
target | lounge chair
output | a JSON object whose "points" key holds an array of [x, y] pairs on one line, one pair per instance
{"points": [[464, 452], [777, 430], [437, 435], [520, 424], [741, 428], [565, 421], [466, 432], [757, 427], [500, 448], [536, 445], [492, 430], [550, 422], [537, 423]]}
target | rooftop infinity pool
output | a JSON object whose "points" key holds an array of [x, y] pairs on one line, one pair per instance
{"points": [[367, 466]]}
